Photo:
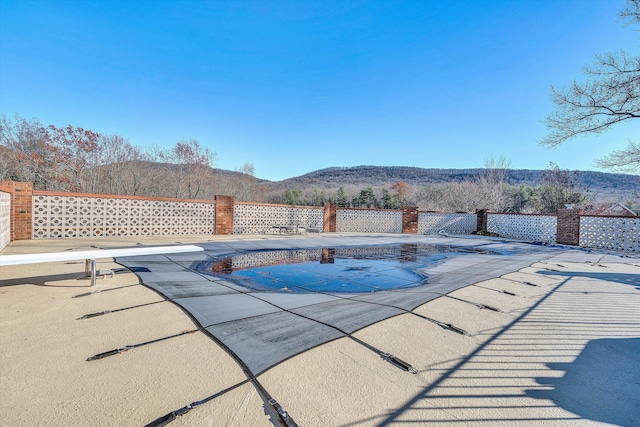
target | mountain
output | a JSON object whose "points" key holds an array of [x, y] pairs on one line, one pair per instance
{"points": [[362, 176]]}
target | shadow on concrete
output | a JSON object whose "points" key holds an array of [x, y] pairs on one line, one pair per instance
{"points": [[602, 384], [624, 278], [49, 280]]}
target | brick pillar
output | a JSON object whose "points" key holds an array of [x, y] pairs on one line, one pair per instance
{"points": [[224, 214], [328, 256], [481, 224], [410, 219], [568, 227], [21, 209], [330, 210]]}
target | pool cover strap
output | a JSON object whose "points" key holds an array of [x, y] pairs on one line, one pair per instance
{"points": [[101, 313], [129, 347], [163, 421]]}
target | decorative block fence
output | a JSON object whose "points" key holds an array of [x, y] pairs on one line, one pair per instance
{"points": [[28, 214], [610, 233], [451, 223], [257, 218], [60, 215], [5, 218], [368, 221], [532, 228]]}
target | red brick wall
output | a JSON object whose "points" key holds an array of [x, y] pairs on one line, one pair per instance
{"points": [[21, 209], [568, 231], [330, 210], [410, 219], [224, 214]]}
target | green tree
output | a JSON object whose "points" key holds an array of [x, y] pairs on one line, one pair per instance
{"points": [[318, 197], [388, 201], [527, 199], [293, 196], [366, 199], [340, 198]]}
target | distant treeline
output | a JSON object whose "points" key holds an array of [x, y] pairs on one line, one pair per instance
{"points": [[467, 191], [378, 176], [79, 160]]}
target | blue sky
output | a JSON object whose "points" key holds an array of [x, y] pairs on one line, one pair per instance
{"points": [[295, 86]]}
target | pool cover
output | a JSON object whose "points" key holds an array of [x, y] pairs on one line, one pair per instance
{"points": [[268, 300]]}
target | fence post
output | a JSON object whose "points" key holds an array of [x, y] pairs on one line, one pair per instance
{"points": [[410, 219], [568, 227], [330, 210], [481, 224], [21, 209], [224, 214]]}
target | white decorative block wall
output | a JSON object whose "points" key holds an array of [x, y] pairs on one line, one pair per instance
{"points": [[256, 219], [5, 219], [368, 221], [611, 233], [81, 216], [533, 228], [451, 223]]}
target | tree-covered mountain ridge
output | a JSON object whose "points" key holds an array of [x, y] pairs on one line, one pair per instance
{"points": [[366, 175]]}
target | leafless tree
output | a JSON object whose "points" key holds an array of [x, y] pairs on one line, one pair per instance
{"points": [[609, 95], [188, 168], [631, 13], [122, 168], [492, 192], [560, 188], [32, 157], [625, 160]]}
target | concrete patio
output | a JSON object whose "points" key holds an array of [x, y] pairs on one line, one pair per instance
{"points": [[562, 349]]}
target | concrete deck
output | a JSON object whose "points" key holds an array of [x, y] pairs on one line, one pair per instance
{"points": [[564, 349]]}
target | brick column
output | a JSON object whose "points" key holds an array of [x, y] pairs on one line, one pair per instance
{"points": [[568, 227], [328, 256], [330, 210], [21, 209], [224, 214], [481, 224], [410, 219]]}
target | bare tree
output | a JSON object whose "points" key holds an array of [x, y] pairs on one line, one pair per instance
{"points": [[610, 95], [492, 192], [560, 188], [631, 12], [122, 168], [188, 165], [625, 160], [32, 157], [75, 148]]}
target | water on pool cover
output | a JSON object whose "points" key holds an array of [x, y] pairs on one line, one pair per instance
{"points": [[361, 269]]}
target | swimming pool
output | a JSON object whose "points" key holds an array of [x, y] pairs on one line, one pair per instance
{"points": [[356, 269]]}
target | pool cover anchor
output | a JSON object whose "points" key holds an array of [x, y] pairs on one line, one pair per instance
{"points": [[444, 325], [284, 417], [479, 305], [398, 362]]}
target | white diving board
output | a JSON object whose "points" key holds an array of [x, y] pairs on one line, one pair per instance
{"points": [[91, 256]]}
